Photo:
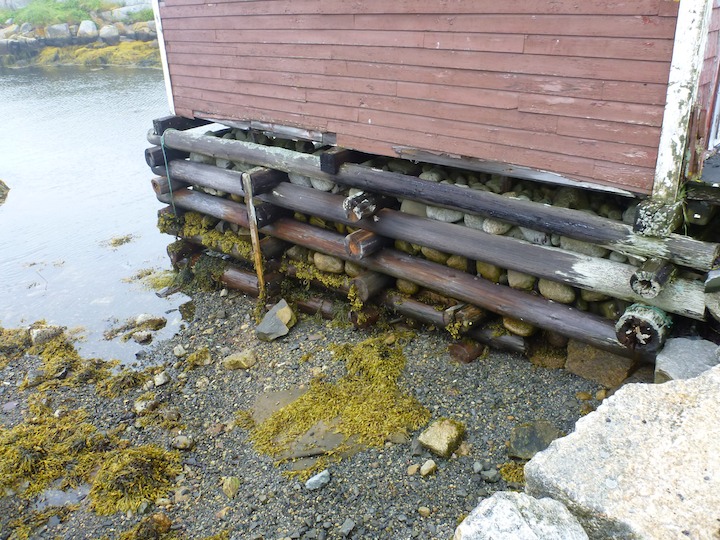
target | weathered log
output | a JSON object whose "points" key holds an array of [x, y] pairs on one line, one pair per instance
{"points": [[330, 160], [161, 185], [699, 191], [207, 176], [643, 328], [154, 156], [270, 247], [468, 316], [417, 310], [363, 205], [221, 208], [247, 282], [441, 319], [368, 284], [181, 249], [362, 243], [160, 125], [500, 299], [507, 342], [263, 179], [611, 234], [682, 296], [651, 277], [311, 306], [365, 318]]}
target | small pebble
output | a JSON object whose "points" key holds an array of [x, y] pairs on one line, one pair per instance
{"points": [[428, 468]]}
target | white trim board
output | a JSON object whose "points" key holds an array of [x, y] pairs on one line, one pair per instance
{"points": [[687, 61]]}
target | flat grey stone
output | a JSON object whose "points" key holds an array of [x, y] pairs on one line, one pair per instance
{"points": [[276, 322], [321, 479], [517, 516], [645, 464], [684, 358], [528, 439]]}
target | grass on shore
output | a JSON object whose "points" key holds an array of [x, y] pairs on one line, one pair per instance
{"points": [[47, 12]]}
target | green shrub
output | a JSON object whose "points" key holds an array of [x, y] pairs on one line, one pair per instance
{"points": [[141, 16], [47, 12]]}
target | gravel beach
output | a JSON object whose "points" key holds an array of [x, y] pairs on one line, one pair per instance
{"points": [[227, 489]]}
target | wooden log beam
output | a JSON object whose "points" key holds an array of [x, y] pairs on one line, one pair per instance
{"points": [[643, 328], [466, 351], [507, 342], [207, 176], [311, 306], [160, 125], [154, 156], [363, 205], [331, 159], [499, 299], [162, 185], [416, 310], [650, 279], [362, 243], [611, 234], [369, 284], [263, 179], [207, 204], [681, 296]]}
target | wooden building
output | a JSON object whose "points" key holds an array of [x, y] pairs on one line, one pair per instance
{"points": [[560, 91], [614, 96]]}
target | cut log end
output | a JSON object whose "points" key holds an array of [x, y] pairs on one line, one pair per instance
{"points": [[643, 328]]}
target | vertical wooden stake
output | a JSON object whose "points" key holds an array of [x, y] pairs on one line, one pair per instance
{"points": [[254, 234]]}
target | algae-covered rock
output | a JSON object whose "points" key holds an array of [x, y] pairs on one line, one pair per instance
{"points": [[240, 360], [528, 439]]}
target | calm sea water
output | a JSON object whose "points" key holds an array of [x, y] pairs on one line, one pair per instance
{"points": [[71, 150]]}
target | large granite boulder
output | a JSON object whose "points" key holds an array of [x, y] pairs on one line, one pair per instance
{"points": [[515, 516], [87, 32], [685, 358], [58, 35], [110, 34], [646, 464]]}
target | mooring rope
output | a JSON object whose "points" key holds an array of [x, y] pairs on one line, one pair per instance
{"points": [[167, 173]]}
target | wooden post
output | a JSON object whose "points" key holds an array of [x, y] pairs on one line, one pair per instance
{"points": [[643, 328], [687, 60], [254, 234], [311, 306], [649, 280], [207, 204], [362, 243], [264, 179], [154, 156], [330, 160], [362, 205], [369, 284], [416, 310]]}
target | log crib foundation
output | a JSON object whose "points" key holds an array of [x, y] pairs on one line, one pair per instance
{"points": [[492, 259]]}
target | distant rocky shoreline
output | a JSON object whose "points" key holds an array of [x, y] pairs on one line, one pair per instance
{"points": [[107, 38]]}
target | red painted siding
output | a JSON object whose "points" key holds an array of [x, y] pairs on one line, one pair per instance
{"points": [[575, 88]]}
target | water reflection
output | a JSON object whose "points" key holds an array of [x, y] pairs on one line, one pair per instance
{"points": [[71, 150]]}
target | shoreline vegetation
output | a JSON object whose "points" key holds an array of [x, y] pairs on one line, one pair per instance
{"points": [[91, 33]]}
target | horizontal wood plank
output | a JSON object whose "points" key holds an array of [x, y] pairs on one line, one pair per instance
{"points": [[609, 131], [559, 7], [598, 110], [600, 47]]}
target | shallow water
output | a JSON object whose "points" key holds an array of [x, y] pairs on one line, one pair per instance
{"points": [[71, 151]]}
